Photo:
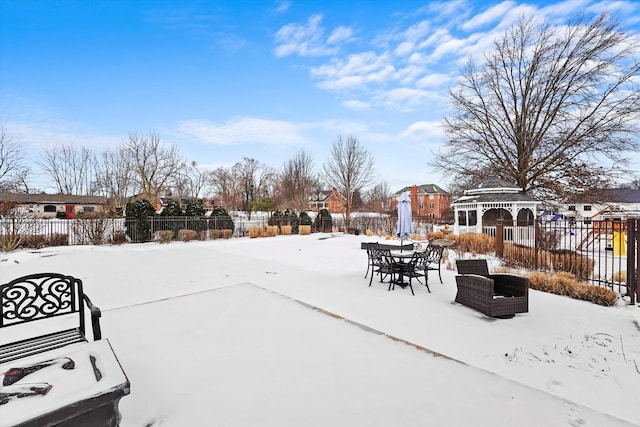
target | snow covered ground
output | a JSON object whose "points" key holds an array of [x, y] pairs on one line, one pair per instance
{"points": [[285, 331]]}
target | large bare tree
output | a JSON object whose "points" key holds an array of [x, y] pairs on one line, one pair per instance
{"points": [[256, 181], [69, 167], [296, 182], [554, 110], [155, 164], [224, 184], [114, 175], [13, 172], [350, 168]]}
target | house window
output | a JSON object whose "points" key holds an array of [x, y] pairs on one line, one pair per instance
{"points": [[50, 208], [572, 207], [473, 218], [587, 207], [432, 216], [431, 205], [462, 217], [421, 204]]}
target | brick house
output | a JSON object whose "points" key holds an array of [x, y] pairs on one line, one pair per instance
{"points": [[428, 201], [45, 205], [331, 200]]}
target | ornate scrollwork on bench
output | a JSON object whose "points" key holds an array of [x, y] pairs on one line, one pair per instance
{"points": [[33, 297]]}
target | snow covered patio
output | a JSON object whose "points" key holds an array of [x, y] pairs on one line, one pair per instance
{"points": [[285, 331]]}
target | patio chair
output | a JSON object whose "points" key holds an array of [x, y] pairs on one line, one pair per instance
{"points": [[368, 246], [416, 268], [495, 295], [433, 255], [382, 264]]}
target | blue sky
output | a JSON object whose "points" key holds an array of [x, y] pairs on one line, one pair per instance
{"points": [[223, 80]]}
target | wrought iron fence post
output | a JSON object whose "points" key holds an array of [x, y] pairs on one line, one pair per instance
{"points": [[499, 238], [536, 236], [632, 262]]}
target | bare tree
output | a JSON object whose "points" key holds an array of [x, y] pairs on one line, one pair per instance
{"points": [[114, 175], [256, 182], [296, 182], [154, 163], [69, 167], [197, 179], [349, 168], [13, 172], [377, 199], [549, 109], [225, 187]]}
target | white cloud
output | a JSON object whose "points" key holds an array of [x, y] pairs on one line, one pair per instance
{"points": [[308, 40], [339, 35], [433, 80], [40, 136], [282, 6], [244, 130], [488, 16], [356, 105], [421, 50], [404, 98], [355, 72], [424, 131]]}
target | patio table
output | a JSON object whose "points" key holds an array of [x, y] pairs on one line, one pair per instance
{"points": [[399, 258], [76, 385]]}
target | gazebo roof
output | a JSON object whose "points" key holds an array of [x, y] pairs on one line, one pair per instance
{"points": [[495, 197], [493, 189], [493, 184]]}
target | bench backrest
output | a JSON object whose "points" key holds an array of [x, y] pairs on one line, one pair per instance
{"points": [[473, 266], [41, 296]]}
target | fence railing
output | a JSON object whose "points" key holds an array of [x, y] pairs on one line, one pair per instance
{"points": [[25, 231], [595, 251]]}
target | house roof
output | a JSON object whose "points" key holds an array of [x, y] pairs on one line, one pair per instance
{"points": [[424, 189], [41, 198], [622, 195]]}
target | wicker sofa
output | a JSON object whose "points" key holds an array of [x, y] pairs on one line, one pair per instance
{"points": [[496, 295]]}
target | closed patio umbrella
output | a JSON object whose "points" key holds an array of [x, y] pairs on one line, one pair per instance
{"points": [[404, 217]]}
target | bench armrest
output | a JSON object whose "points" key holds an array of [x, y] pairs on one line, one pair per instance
{"points": [[476, 284], [510, 285], [95, 318]]}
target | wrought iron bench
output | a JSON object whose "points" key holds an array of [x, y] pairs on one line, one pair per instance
{"points": [[496, 295], [42, 328], [43, 296]]}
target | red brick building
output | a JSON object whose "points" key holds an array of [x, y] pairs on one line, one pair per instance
{"points": [[332, 200], [429, 202]]}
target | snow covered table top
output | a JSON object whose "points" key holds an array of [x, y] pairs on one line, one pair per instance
{"points": [[61, 384]]}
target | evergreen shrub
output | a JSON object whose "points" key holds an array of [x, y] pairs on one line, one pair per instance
{"points": [[305, 219], [137, 220], [221, 220], [323, 222]]}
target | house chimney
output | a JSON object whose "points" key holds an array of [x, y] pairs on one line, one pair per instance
{"points": [[414, 200]]}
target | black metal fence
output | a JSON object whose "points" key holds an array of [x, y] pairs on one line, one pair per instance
{"points": [[595, 251], [25, 231]]}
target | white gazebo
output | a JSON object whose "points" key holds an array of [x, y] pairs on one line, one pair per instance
{"points": [[492, 200]]}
